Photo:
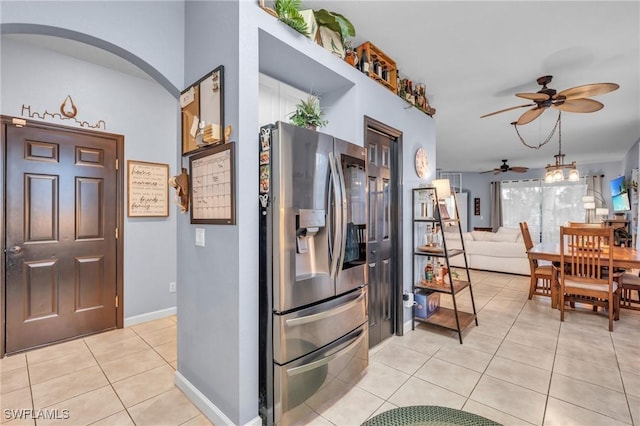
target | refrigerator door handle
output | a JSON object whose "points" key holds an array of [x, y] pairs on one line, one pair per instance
{"points": [[324, 361], [343, 211], [336, 223], [326, 314]]}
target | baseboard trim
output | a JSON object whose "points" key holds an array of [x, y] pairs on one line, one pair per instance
{"points": [[149, 316], [406, 327], [208, 408]]}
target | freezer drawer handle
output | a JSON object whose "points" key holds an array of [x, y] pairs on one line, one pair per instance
{"points": [[293, 322], [316, 364]]}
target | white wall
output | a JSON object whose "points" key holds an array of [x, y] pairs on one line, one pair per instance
{"points": [[151, 33], [139, 109]]}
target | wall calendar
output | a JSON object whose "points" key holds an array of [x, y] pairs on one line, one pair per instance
{"points": [[213, 185]]}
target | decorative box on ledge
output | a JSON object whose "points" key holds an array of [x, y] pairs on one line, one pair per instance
{"points": [[380, 66]]}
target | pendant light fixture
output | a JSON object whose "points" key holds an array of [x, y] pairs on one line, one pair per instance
{"points": [[555, 172]]}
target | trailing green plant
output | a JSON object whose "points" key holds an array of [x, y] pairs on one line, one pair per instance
{"points": [[308, 113], [336, 22], [289, 12]]}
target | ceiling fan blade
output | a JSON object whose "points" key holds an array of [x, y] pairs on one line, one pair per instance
{"points": [[506, 109], [488, 171], [519, 169], [530, 115], [534, 96], [579, 105], [497, 171], [587, 90]]}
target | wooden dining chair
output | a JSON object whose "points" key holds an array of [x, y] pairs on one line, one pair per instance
{"points": [[584, 225], [542, 273], [585, 277], [630, 282]]}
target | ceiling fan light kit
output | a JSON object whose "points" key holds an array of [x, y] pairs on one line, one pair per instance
{"points": [[555, 172]]}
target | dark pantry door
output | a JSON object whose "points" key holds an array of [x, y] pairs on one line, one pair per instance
{"points": [[61, 193], [380, 238]]}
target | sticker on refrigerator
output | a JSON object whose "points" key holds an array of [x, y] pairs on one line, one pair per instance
{"points": [[264, 157], [265, 139], [265, 178]]}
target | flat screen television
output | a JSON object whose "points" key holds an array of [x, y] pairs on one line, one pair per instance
{"points": [[620, 195]]}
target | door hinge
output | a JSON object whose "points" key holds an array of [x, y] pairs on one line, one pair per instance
{"points": [[116, 301], [117, 233], [117, 163], [19, 122]]}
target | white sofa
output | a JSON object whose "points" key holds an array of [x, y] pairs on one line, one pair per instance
{"points": [[502, 251]]}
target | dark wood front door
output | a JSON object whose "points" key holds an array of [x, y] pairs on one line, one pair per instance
{"points": [[382, 229], [61, 245]]}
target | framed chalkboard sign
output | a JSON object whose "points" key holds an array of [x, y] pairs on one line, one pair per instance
{"points": [[147, 189]]}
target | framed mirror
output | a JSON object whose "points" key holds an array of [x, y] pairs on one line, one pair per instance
{"points": [[202, 105]]}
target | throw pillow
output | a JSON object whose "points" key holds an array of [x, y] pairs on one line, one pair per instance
{"points": [[482, 235], [505, 237]]}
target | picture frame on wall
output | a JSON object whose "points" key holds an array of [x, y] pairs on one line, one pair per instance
{"points": [[213, 185], [202, 103], [147, 189]]}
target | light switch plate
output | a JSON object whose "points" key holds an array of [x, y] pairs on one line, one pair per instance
{"points": [[200, 237]]}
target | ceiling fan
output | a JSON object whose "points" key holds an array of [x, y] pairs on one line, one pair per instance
{"points": [[574, 99], [504, 167]]}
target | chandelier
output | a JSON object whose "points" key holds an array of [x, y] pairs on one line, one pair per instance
{"points": [[555, 172]]}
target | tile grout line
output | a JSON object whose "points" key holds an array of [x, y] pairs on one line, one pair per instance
{"points": [[624, 388], [33, 407], [553, 365], [111, 385], [496, 354]]}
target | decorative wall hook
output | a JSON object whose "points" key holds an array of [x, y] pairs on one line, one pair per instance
{"points": [[66, 112]]}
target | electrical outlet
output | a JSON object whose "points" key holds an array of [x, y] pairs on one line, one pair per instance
{"points": [[172, 287]]}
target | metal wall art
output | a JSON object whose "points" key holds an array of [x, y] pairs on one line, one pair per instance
{"points": [[68, 111]]}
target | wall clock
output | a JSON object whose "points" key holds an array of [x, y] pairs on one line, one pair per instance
{"points": [[422, 163]]}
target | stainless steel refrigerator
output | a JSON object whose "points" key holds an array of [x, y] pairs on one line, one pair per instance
{"points": [[313, 283]]}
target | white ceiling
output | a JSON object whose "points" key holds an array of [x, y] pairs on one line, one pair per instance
{"points": [[474, 56]]}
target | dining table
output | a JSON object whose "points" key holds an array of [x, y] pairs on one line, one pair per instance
{"points": [[623, 257]]}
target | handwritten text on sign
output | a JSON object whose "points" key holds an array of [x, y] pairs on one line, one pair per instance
{"points": [[148, 189]]}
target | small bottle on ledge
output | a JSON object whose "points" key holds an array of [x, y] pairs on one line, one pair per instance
{"points": [[428, 272]]}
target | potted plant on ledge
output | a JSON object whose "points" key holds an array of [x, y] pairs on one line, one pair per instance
{"points": [[308, 114]]}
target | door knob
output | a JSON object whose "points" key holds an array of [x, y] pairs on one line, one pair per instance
{"points": [[373, 252], [15, 250]]}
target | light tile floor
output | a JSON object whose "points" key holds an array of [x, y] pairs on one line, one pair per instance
{"points": [[520, 366], [121, 377]]}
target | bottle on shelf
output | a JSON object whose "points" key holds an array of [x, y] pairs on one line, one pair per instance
{"points": [[428, 237], [428, 271], [364, 62], [376, 67]]}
